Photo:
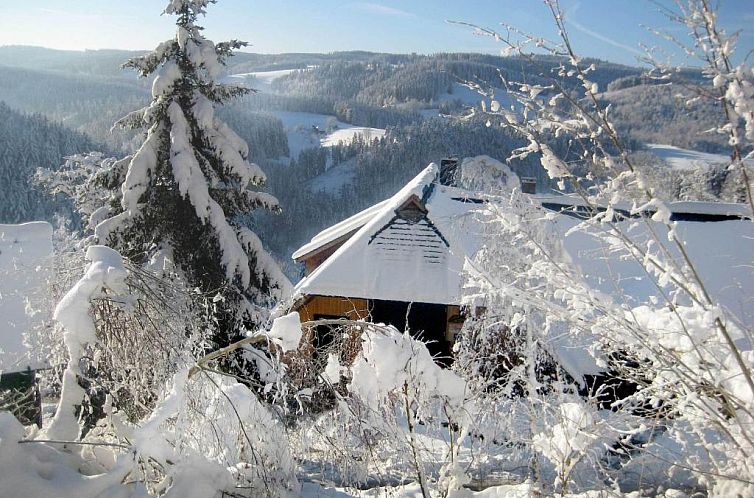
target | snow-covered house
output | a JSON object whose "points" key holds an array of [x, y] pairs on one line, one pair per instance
{"points": [[401, 261], [398, 262]]}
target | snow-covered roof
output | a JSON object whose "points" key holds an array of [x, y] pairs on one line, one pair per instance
{"points": [[338, 230], [721, 252], [25, 266], [392, 258], [678, 210]]}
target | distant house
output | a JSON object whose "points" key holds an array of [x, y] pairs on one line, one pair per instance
{"points": [[401, 261]]}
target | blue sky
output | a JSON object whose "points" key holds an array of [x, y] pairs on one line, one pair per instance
{"points": [[608, 29]]}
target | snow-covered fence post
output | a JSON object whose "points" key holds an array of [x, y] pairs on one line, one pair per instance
{"points": [[105, 275]]}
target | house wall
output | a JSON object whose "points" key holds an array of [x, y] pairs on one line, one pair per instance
{"points": [[362, 309], [326, 307], [351, 308], [314, 259]]}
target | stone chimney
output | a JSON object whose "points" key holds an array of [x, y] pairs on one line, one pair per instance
{"points": [[449, 171], [528, 185]]}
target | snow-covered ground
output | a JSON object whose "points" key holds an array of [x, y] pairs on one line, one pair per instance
{"points": [[467, 97], [523, 490], [463, 93], [25, 266], [684, 159], [312, 490], [307, 130], [335, 178], [346, 135], [260, 81]]}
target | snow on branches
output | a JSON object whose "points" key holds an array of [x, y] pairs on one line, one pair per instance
{"points": [[683, 350], [192, 173], [105, 274]]}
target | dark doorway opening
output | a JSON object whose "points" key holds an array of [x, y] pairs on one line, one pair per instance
{"points": [[425, 321]]}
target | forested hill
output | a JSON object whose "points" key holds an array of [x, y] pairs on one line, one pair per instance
{"points": [[462, 66], [84, 102], [28, 142], [388, 79], [100, 63], [337, 132]]}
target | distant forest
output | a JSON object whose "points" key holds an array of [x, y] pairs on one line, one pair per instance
{"points": [[58, 103]]}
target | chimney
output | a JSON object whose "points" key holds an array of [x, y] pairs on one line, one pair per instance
{"points": [[448, 171], [528, 185]]}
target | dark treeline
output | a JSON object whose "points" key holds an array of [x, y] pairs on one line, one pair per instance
{"points": [[28, 142], [263, 133], [85, 103], [667, 114]]}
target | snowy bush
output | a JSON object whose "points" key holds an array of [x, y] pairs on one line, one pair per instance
{"points": [[401, 415], [687, 357], [123, 411]]}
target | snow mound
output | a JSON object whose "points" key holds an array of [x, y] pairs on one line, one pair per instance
{"points": [[286, 331], [43, 471], [391, 360], [25, 268]]}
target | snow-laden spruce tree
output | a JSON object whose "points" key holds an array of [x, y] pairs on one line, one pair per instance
{"points": [[181, 193]]}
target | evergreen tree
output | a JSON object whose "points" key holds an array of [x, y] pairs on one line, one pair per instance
{"points": [[182, 193]]}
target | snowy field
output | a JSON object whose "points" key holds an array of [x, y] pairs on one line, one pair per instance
{"points": [[335, 178], [686, 160], [25, 265], [346, 135], [307, 130], [467, 97], [260, 81]]}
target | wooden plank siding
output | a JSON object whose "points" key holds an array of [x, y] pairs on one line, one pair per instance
{"points": [[312, 262], [315, 307], [359, 309], [351, 308], [454, 313], [316, 257], [354, 308]]}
